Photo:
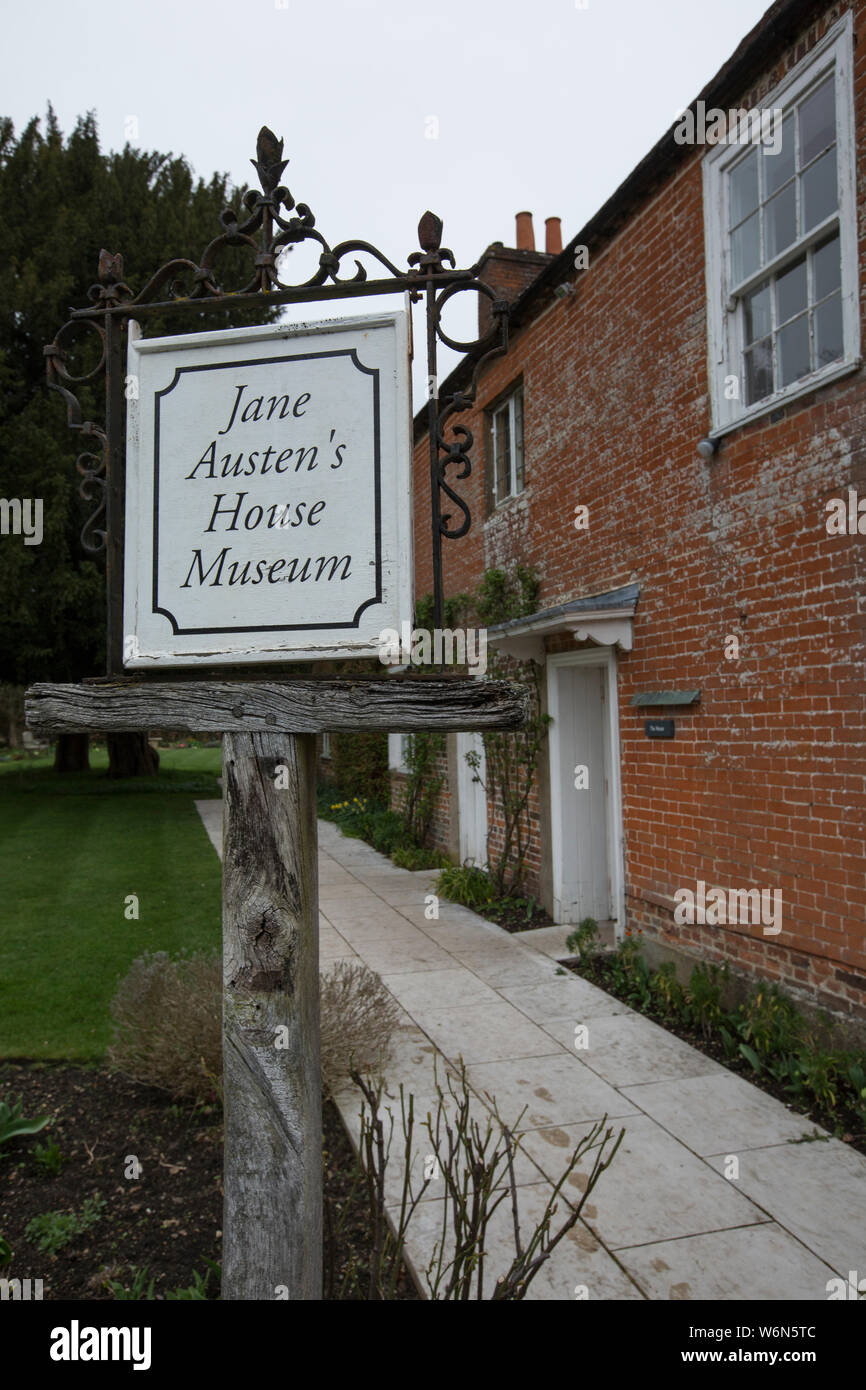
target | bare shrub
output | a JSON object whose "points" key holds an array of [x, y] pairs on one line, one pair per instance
{"points": [[168, 1024], [358, 1019], [474, 1160]]}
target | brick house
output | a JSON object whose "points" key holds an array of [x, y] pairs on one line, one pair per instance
{"points": [[722, 589]]}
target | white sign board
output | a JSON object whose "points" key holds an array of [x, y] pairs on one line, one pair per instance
{"points": [[268, 492]]}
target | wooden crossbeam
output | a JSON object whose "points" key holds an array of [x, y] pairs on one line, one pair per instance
{"points": [[292, 706]]}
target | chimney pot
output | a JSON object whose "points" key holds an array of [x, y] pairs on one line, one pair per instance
{"points": [[553, 235], [525, 233]]}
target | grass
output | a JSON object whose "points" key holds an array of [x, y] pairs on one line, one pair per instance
{"points": [[74, 848]]}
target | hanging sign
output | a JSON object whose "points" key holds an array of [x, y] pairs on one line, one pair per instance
{"points": [[268, 493]]}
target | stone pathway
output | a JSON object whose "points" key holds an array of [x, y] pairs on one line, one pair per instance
{"points": [[664, 1222]]}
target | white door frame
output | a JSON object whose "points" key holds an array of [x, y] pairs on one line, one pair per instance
{"points": [[604, 657], [471, 797]]}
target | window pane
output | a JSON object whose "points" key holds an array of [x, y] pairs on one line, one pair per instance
{"points": [[744, 188], [779, 167], [791, 291], [759, 371], [746, 249], [793, 348], [827, 266], [502, 452], [780, 229], [817, 122], [518, 441], [828, 331], [757, 312], [819, 197]]}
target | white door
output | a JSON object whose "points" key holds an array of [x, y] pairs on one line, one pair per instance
{"points": [[471, 801], [580, 753]]}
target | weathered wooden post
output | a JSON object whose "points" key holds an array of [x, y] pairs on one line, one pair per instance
{"points": [[268, 518], [272, 1082]]}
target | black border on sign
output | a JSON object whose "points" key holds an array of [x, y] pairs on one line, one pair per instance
{"points": [[374, 372]]}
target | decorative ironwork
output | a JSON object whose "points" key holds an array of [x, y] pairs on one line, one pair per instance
{"points": [[269, 230], [90, 465]]}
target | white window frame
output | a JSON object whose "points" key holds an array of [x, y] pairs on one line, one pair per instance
{"points": [[513, 490], [397, 752], [724, 314]]}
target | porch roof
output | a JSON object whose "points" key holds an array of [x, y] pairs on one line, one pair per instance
{"points": [[602, 618]]}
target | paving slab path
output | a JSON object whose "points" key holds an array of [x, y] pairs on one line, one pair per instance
{"points": [[718, 1190]]}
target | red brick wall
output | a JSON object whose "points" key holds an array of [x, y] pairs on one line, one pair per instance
{"points": [[764, 784]]}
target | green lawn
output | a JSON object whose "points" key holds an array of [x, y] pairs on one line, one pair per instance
{"points": [[72, 849]]}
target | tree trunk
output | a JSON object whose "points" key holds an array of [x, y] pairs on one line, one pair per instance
{"points": [[72, 753], [131, 755]]}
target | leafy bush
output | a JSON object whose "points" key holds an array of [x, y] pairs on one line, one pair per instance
{"points": [[511, 759], [771, 1022], [409, 857], [52, 1230], [361, 819], [466, 884], [49, 1158], [702, 1003], [766, 1030], [386, 830], [139, 1289], [423, 783], [196, 1291], [668, 995], [584, 941]]}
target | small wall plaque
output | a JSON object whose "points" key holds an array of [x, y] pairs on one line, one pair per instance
{"points": [[659, 728]]}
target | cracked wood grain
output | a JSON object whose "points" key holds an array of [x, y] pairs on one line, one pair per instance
{"points": [[296, 706], [272, 1223]]}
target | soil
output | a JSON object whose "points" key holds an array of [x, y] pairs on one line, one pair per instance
{"points": [[168, 1220], [843, 1123], [513, 916]]}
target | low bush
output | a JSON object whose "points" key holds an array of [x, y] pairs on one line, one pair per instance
{"points": [[409, 857], [51, 1230], [358, 1018], [168, 1024], [765, 1030], [466, 884], [472, 1158]]}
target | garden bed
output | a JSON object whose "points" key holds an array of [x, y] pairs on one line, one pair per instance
{"points": [[764, 1039], [168, 1221]]}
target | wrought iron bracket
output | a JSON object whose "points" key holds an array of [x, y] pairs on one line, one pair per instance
{"points": [[272, 223]]}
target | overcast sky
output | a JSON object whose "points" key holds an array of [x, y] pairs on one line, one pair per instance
{"points": [[474, 108]]}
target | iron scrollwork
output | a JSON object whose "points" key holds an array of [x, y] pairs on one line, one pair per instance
{"points": [[271, 224]]}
